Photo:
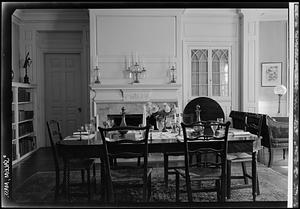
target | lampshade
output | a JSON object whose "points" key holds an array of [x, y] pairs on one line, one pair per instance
{"points": [[280, 89]]}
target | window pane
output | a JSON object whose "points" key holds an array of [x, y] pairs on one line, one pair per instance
{"points": [[203, 90], [203, 78], [215, 78], [195, 90], [216, 90], [199, 69]]}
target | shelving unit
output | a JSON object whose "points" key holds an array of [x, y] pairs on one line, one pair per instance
{"points": [[23, 121]]}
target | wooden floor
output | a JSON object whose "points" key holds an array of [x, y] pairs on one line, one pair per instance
{"points": [[42, 160]]}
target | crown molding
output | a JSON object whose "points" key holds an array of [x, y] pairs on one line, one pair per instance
{"points": [[265, 14], [49, 15]]}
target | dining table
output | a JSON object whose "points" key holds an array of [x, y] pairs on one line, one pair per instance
{"points": [[91, 146]]}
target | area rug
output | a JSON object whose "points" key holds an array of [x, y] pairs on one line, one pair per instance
{"points": [[40, 188]]}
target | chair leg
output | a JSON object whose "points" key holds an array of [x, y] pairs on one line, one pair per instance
{"points": [[189, 189], [257, 186], [88, 184], [94, 175], [228, 193], [68, 184], [245, 173], [271, 152], [145, 192], [177, 187], [149, 187], [82, 176], [166, 162], [218, 190], [57, 185]]}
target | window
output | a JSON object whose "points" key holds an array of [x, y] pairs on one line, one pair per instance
{"points": [[210, 72]]}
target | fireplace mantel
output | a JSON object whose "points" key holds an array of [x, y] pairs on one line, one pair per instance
{"points": [[135, 86], [109, 99], [135, 92]]}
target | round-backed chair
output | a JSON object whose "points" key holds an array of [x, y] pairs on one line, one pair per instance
{"points": [[210, 110]]}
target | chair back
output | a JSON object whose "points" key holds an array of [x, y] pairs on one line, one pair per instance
{"points": [[253, 123], [209, 110], [209, 143], [130, 145], [238, 119], [54, 136]]}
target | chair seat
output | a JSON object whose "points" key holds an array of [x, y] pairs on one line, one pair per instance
{"points": [[202, 173], [174, 153], [240, 156], [77, 164], [125, 174]]}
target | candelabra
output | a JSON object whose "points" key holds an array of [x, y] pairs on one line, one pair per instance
{"points": [[136, 70]]}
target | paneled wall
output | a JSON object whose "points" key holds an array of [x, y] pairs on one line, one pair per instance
{"points": [[251, 43], [273, 48], [150, 35], [212, 28]]}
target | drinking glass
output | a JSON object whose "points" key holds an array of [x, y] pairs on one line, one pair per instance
{"points": [[220, 120], [88, 127], [160, 124]]}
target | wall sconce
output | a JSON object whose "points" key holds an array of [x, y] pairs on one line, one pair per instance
{"points": [[173, 74], [97, 74], [136, 71], [97, 71], [26, 65], [279, 90]]}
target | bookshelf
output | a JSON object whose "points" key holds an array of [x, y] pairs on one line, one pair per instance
{"points": [[23, 121]]}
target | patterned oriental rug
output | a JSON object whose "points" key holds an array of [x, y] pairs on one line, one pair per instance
{"points": [[40, 188]]}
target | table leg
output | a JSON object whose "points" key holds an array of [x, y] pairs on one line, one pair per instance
{"points": [[102, 180], [254, 175]]}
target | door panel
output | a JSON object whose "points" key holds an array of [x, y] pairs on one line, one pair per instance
{"points": [[63, 90]]}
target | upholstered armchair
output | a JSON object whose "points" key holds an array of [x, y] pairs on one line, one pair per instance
{"points": [[278, 128]]}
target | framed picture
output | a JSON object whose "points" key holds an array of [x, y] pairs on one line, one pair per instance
{"points": [[270, 73]]}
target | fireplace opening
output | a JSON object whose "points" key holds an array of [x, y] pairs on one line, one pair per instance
{"points": [[131, 119]]}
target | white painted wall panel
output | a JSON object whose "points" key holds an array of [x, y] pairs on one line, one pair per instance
{"points": [[211, 30], [147, 35]]}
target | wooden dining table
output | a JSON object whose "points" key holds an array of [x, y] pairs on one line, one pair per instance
{"points": [[159, 142]]}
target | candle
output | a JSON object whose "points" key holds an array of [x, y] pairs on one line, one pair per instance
{"points": [[135, 57], [128, 63], [96, 60], [144, 116], [97, 121], [175, 116], [95, 108]]}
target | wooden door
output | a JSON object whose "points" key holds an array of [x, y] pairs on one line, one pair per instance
{"points": [[63, 90]]}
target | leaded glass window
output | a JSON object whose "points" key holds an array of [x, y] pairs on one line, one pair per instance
{"points": [[210, 72]]}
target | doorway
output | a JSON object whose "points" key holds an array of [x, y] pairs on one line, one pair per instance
{"points": [[64, 90]]}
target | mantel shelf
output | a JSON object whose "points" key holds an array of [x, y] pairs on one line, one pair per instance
{"points": [[23, 85], [135, 86]]}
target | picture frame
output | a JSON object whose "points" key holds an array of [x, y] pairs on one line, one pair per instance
{"points": [[271, 74]]}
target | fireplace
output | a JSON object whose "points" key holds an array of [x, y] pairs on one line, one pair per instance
{"points": [[109, 100], [131, 119]]}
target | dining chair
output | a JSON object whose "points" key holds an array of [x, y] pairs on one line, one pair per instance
{"points": [[120, 144], [210, 110], [209, 170], [68, 164], [253, 124]]}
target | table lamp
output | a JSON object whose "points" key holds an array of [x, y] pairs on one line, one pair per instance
{"points": [[279, 90]]}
